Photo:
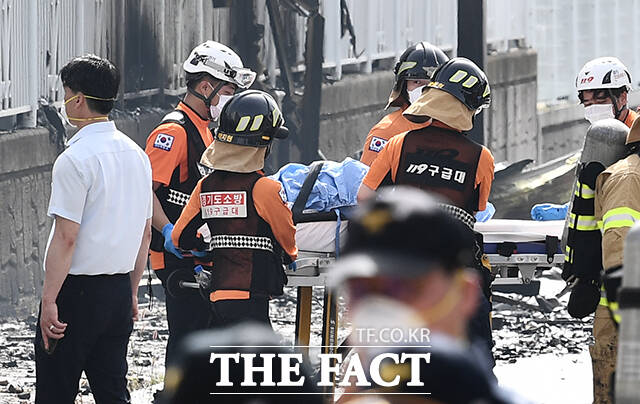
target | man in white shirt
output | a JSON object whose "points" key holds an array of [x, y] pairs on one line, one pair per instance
{"points": [[101, 203]]}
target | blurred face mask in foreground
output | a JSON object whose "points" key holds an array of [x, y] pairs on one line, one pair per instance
{"points": [[377, 312]]}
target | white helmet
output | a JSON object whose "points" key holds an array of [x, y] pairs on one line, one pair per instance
{"points": [[605, 72], [220, 62]]}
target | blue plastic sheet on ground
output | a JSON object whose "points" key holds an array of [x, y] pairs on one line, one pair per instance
{"points": [[337, 184]]}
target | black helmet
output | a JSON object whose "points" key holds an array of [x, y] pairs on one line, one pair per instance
{"points": [[417, 62], [464, 80], [251, 118]]}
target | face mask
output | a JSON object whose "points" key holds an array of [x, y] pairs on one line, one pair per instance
{"points": [[63, 114], [415, 94], [378, 311], [67, 119], [598, 112], [216, 110]]}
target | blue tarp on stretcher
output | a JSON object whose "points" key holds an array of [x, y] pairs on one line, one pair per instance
{"points": [[337, 184]]}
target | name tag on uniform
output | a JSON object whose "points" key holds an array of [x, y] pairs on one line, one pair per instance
{"points": [[223, 205]]}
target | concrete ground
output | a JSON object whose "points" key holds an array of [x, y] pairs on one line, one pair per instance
{"points": [[549, 378]]}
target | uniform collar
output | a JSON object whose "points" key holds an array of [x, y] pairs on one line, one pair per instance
{"points": [[193, 115], [443, 125], [108, 126]]}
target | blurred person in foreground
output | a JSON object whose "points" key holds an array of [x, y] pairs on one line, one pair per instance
{"points": [[192, 377], [406, 267]]}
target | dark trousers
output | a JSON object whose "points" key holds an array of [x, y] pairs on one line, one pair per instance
{"points": [[97, 310], [186, 313], [229, 312]]}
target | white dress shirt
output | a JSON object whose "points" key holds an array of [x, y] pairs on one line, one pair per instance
{"points": [[102, 181]]}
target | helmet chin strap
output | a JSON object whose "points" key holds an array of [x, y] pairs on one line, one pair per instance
{"points": [[617, 111], [207, 100]]}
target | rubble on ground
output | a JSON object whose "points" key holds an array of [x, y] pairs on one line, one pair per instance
{"points": [[523, 327]]}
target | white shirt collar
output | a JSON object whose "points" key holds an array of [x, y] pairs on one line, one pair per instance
{"points": [[107, 126]]}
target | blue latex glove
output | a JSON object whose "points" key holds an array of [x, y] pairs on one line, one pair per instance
{"points": [[168, 244], [486, 214], [549, 211], [199, 254]]}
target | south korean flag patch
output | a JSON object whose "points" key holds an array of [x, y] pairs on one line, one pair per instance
{"points": [[163, 141], [377, 144]]}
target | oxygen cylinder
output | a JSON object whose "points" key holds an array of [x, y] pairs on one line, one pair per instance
{"points": [[627, 388], [605, 143]]}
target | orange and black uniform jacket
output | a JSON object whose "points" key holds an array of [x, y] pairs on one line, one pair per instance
{"points": [[174, 149], [389, 126], [631, 116], [437, 159], [242, 264]]}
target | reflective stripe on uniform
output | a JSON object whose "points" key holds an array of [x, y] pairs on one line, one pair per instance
{"points": [[177, 198], [240, 241], [567, 254], [584, 223], [619, 217], [615, 313], [603, 297], [229, 295], [584, 191]]}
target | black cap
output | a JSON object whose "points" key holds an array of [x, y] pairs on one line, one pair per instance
{"points": [[403, 232]]}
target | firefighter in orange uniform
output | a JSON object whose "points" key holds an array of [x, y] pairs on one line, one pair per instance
{"points": [[413, 72], [213, 73], [440, 159], [239, 216]]}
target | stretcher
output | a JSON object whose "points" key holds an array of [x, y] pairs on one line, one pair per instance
{"points": [[517, 248], [318, 244]]}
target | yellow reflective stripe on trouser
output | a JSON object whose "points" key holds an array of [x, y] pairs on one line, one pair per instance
{"points": [[615, 311], [603, 297], [567, 254], [584, 191], [619, 217], [584, 223]]}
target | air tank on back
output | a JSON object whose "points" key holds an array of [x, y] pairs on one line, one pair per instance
{"points": [[605, 143]]}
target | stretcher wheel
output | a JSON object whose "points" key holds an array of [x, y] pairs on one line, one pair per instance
{"points": [[176, 283]]}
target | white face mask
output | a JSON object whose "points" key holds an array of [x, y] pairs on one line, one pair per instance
{"points": [[415, 94], [598, 112], [379, 311], [65, 117], [216, 110]]}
